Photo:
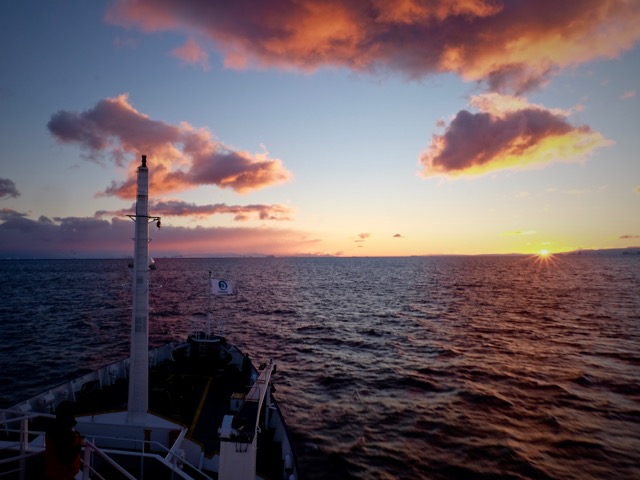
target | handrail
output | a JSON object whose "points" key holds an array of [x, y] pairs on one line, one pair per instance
{"points": [[169, 457], [142, 453], [21, 456], [173, 468], [24, 453], [172, 451], [90, 447]]}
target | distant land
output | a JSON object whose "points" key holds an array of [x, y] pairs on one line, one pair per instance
{"points": [[74, 256], [605, 251], [582, 251]]}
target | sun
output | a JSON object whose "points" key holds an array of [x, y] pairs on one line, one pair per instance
{"points": [[543, 257]]}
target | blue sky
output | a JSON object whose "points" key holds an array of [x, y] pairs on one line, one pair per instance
{"points": [[335, 138]]}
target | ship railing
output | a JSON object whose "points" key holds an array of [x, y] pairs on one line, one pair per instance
{"points": [[99, 379], [88, 470], [24, 450], [23, 444], [172, 459]]}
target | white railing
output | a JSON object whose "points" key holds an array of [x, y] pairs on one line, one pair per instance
{"points": [[88, 469], [18, 450]]}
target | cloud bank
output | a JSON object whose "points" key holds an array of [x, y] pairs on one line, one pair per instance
{"points": [[506, 133], [57, 237], [509, 46], [178, 208], [183, 157]]}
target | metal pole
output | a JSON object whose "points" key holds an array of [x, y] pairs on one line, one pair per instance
{"points": [[24, 443], [139, 367]]}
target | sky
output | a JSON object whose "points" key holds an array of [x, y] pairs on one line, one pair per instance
{"points": [[320, 127]]}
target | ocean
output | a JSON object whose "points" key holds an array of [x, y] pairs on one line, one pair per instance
{"points": [[480, 367]]}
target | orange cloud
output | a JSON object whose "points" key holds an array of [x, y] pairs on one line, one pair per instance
{"points": [[192, 54], [511, 46], [178, 208], [508, 132], [182, 157]]}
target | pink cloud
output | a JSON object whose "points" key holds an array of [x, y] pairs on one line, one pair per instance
{"points": [[192, 54], [511, 46], [182, 157], [507, 132], [628, 94]]}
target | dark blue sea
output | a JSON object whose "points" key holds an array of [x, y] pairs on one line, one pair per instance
{"points": [[505, 367]]}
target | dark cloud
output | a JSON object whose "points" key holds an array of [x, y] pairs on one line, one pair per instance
{"points": [[6, 214], [22, 236], [508, 132], [178, 208], [513, 46], [94, 237], [627, 237], [182, 157], [8, 189]]}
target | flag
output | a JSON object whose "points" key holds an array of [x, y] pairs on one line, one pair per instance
{"points": [[222, 287]]}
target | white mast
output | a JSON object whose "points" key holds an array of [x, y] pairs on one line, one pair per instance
{"points": [[139, 366]]}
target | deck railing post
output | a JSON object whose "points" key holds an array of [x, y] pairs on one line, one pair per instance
{"points": [[86, 461], [24, 443]]}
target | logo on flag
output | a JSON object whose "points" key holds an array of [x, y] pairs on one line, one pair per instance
{"points": [[222, 287]]}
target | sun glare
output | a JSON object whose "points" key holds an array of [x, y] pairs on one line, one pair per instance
{"points": [[543, 258]]}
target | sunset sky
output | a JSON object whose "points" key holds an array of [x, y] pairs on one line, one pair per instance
{"points": [[320, 127]]}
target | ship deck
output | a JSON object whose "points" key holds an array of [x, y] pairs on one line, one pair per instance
{"points": [[194, 391]]}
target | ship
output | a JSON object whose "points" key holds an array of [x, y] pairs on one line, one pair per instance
{"points": [[191, 409]]}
